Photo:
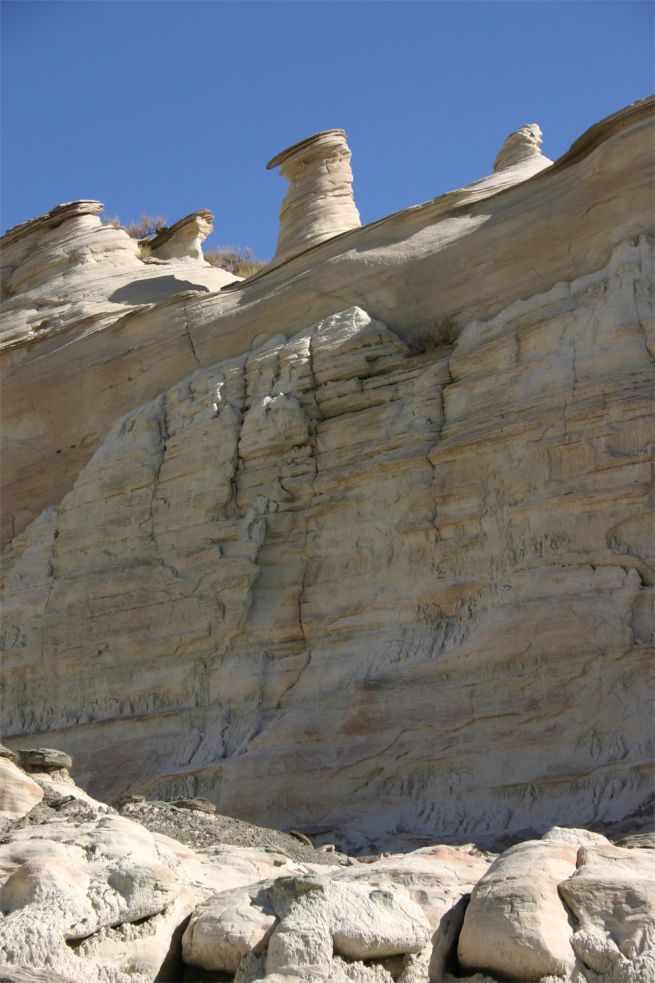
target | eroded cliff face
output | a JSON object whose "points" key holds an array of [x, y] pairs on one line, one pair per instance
{"points": [[359, 576]]}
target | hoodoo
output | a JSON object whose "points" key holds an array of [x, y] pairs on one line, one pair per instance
{"points": [[523, 147], [184, 239], [319, 203]]}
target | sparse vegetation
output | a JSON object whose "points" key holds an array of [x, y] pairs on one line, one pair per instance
{"points": [[241, 262], [145, 228], [439, 334], [234, 259]]}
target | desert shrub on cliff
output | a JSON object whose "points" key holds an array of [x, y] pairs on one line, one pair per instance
{"points": [[241, 262], [436, 335], [147, 226]]}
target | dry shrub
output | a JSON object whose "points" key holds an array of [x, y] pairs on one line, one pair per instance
{"points": [[440, 334], [241, 262], [145, 228]]}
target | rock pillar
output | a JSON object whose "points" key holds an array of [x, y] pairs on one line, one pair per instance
{"points": [[523, 148], [319, 203], [184, 239]]}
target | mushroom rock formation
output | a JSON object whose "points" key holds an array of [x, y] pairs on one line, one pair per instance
{"points": [[319, 203], [523, 147], [184, 239]]}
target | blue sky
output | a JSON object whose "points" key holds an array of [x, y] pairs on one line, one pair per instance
{"points": [[165, 107]]}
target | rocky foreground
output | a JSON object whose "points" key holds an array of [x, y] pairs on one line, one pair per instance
{"points": [[94, 892]]}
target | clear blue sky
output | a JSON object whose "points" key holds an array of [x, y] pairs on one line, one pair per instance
{"points": [[165, 107]]}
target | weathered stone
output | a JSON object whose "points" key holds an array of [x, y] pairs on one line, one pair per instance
{"points": [[197, 804], [516, 926], [576, 837], [184, 239], [412, 269], [319, 916], [319, 203], [228, 926], [612, 896], [14, 974], [44, 759], [89, 879], [18, 792], [439, 879], [521, 148], [130, 799]]}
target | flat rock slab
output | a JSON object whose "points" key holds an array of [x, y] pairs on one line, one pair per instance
{"points": [[44, 758]]}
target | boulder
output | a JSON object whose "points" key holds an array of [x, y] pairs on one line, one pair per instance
{"points": [[44, 759], [319, 917], [516, 926], [195, 804], [184, 239], [228, 926], [576, 837], [18, 792], [67, 880], [612, 897], [37, 879], [437, 878]]}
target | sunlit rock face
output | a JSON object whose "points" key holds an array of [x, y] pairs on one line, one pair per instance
{"points": [[319, 203], [184, 239], [67, 278], [344, 571]]}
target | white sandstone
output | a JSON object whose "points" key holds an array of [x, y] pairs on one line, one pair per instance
{"points": [[516, 926], [319, 203]]}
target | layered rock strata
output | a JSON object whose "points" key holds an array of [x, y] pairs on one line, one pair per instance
{"points": [[69, 279], [336, 574], [363, 571], [319, 203], [461, 257]]}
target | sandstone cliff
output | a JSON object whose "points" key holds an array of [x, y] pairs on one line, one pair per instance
{"points": [[363, 541], [173, 891]]}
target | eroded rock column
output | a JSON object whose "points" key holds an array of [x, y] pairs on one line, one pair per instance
{"points": [[319, 203], [523, 147], [184, 239]]}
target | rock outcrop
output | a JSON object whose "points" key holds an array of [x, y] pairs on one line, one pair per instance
{"points": [[90, 895], [319, 203], [363, 546], [522, 149], [460, 258], [184, 239], [67, 277]]}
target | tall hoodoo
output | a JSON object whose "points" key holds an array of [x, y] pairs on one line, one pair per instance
{"points": [[319, 203]]}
